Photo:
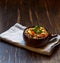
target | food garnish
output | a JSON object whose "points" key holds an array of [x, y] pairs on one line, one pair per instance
{"points": [[36, 32]]}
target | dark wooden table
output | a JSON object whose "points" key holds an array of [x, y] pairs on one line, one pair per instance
{"points": [[28, 13]]}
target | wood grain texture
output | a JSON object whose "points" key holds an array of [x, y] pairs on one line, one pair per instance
{"points": [[28, 13]]}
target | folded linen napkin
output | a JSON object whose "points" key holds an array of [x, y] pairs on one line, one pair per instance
{"points": [[14, 35]]}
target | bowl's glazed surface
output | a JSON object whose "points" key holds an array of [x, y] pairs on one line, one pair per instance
{"points": [[35, 42]]}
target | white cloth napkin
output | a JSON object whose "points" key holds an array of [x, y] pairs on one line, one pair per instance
{"points": [[15, 35]]}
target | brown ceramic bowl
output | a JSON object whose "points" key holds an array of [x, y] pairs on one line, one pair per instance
{"points": [[35, 42]]}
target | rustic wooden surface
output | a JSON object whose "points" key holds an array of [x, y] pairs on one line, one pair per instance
{"points": [[28, 12]]}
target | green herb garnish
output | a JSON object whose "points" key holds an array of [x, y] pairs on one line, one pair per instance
{"points": [[40, 31], [35, 29], [37, 26]]}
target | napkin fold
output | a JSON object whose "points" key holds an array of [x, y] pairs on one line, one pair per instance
{"points": [[14, 35]]}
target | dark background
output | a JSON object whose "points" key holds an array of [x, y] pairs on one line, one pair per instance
{"points": [[28, 12]]}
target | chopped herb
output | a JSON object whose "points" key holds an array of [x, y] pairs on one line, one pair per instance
{"points": [[39, 31], [35, 28]]}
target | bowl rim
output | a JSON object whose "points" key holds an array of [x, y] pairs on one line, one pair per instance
{"points": [[32, 38]]}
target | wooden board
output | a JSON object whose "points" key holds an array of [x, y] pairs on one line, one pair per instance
{"points": [[14, 35]]}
